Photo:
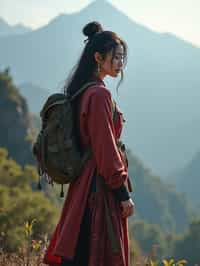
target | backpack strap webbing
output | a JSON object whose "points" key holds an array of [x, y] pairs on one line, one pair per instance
{"points": [[85, 86]]}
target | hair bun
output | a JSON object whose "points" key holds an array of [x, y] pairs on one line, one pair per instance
{"points": [[91, 28]]}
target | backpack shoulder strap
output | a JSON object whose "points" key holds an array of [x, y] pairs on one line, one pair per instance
{"points": [[114, 110], [88, 84], [85, 86]]}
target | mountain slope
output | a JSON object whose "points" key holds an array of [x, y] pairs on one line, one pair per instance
{"points": [[156, 202], [34, 95], [16, 121], [187, 180]]}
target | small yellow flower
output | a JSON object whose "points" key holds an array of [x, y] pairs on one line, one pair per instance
{"points": [[153, 263], [168, 263], [36, 244], [29, 227], [181, 262], [171, 262]]}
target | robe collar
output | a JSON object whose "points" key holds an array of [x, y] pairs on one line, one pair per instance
{"points": [[95, 78]]}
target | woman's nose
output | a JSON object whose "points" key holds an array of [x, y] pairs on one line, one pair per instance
{"points": [[120, 63]]}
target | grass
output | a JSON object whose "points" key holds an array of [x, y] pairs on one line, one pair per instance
{"points": [[32, 251]]}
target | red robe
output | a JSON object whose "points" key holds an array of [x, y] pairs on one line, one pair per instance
{"points": [[98, 130]]}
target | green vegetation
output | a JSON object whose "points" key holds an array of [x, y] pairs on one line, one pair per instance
{"points": [[188, 244], [158, 245], [161, 227], [19, 203], [16, 125], [6, 84], [149, 236]]}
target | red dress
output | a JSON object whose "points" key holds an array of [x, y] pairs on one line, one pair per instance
{"points": [[98, 130]]}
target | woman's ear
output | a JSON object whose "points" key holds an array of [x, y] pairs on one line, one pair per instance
{"points": [[98, 57]]}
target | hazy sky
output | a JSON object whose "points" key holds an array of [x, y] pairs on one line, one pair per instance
{"points": [[181, 17]]}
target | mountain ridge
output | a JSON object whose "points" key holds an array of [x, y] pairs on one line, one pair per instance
{"points": [[160, 88], [10, 30], [187, 179]]}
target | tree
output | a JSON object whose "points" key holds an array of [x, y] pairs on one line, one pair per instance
{"points": [[19, 204], [188, 245], [149, 236]]}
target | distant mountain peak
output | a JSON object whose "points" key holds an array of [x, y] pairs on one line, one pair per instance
{"points": [[100, 4], [7, 29]]}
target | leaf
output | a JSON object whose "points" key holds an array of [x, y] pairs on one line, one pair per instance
{"points": [[165, 262], [153, 263], [171, 262], [181, 262]]}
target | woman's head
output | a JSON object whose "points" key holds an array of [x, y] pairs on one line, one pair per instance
{"points": [[105, 53]]}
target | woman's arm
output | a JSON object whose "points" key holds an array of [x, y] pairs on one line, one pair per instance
{"points": [[102, 137], [121, 193]]}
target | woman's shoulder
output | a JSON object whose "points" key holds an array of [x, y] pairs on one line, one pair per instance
{"points": [[98, 90], [94, 96]]}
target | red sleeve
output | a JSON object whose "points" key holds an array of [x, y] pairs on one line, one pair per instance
{"points": [[102, 139]]}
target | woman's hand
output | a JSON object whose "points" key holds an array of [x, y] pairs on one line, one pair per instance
{"points": [[128, 207]]}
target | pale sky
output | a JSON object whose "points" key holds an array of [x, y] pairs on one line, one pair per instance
{"points": [[180, 17]]}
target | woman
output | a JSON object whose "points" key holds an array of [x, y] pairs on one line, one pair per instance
{"points": [[92, 230]]}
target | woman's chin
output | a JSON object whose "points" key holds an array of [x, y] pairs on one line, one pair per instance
{"points": [[115, 74]]}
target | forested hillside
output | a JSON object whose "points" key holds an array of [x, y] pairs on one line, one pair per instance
{"points": [[21, 202], [161, 212], [16, 121]]}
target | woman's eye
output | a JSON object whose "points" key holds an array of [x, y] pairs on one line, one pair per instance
{"points": [[119, 58]]}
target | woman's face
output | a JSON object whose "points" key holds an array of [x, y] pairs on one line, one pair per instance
{"points": [[112, 66]]}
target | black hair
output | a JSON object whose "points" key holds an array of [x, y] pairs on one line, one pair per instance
{"points": [[97, 40]]}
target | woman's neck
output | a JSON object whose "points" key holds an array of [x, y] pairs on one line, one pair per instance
{"points": [[99, 77]]}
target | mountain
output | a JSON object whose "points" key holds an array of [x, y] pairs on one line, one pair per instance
{"points": [[6, 29], [183, 138], [187, 180], [34, 95], [160, 92], [16, 125], [157, 202], [185, 135]]}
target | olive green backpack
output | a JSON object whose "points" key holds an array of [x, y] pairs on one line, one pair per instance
{"points": [[56, 148], [57, 153]]}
